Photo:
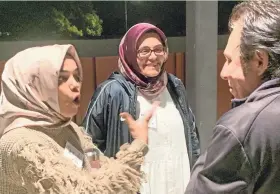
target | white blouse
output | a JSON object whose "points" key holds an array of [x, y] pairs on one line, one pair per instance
{"points": [[166, 165]]}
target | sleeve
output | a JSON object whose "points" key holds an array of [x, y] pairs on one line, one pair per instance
{"points": [[223, 168], [193, 127], [194, 135], [40, 169], [94, 121], [131, 155], [102, 121]]}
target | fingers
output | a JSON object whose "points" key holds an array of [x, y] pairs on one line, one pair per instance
{"points": [[150, 113], [127, 118]]}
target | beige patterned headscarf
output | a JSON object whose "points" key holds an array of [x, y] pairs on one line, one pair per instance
{"points": [[29, 88]]}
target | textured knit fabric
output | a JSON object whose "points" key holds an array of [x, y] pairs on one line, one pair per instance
{"points": [[32, 161], [41, 151]]}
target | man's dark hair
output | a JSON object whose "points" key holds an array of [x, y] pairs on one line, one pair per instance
{"points": [[261, 31]]}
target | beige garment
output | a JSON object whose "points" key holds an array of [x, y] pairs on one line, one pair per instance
{"points": [[33, 134], [29, 87], [32, 162]]}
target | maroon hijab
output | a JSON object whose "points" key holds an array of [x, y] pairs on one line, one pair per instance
{"points": [[128, 66]]}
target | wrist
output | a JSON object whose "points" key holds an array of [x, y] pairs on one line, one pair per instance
{"points": [[139, 145], [143, 139]]}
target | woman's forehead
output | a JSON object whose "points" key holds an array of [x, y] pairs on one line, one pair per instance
{"points": [[69, 64], [150, 39]]}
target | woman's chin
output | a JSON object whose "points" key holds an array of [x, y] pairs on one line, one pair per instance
{"points": [[152, 73], [69, 114]]}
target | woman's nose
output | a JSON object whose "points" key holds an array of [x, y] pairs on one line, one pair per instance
{"points": [[75, 85], [152, 56]]}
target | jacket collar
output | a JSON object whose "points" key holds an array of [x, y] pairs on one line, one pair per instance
{"points": [[268, 88]]}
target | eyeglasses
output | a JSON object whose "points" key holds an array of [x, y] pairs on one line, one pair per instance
{"points": [[147, 51]]}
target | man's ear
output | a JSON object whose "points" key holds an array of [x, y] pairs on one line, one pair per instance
{"points": [[261, 58]]}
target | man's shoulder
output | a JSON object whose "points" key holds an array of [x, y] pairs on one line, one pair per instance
{"points": [[254, 117], [267, 122]]}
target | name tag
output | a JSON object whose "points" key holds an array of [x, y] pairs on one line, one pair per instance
{"points": [[73, 154]]}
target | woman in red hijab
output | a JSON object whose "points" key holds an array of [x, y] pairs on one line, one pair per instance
{"points": [[141, 80]]}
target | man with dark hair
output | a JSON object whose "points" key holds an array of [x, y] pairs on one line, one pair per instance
{"points": [[244, 153]]}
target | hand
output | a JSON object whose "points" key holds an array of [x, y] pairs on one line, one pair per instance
{"points": [[139, 128]]}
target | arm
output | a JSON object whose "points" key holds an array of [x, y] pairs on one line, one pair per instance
{"points": [[103, 121], [132, 155], [194, 136], [195, 141], [223, 168], [93, 122], [43, 170]]}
